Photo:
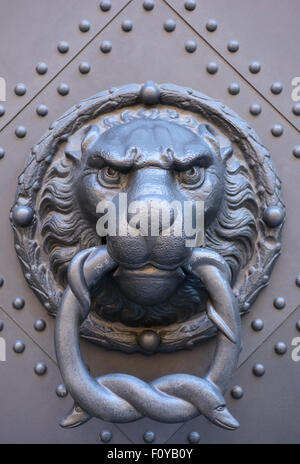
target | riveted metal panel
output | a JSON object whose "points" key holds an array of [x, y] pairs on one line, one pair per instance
{"points": [[148, 51]]}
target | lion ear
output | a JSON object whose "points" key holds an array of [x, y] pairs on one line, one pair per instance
{"points": [[90, 138], [226, 152], [73, 155]]}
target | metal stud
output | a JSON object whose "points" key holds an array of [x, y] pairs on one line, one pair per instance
{"points": [[18, 303], [277, 130], [273, 216], [84, 67], [105, 46], [237, 392], [127, 25], [84, 25], [297, 281], [63, 89], [257, 325], [20, 89], [1, 326], [255, 109], [234, 88], [1, 281], [2, 152], [276, 88], [169, 25], [19, 347], [22, 215], [42, 110], [149, 341], [296, 151], [20, 132], [211, 25], [61, 391], [254, 67], [2, 110], [190, 5], [258, 370], [212, 67], [149, 93], [190, 46], [233, 46], [63, 47], [39, 325], [105, 5], [280, 348], [105, 436], [149, 436], [193, 437], [279, 302], [40, 368], [41, 68], [296, 109]]}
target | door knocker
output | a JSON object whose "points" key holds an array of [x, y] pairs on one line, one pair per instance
{"points": [[148, 288]]}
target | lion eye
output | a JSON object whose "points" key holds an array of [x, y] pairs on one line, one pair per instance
{"points": [[108, 175], [220, 408], [192, 177]]}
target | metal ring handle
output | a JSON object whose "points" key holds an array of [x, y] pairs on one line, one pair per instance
{"points": [[124, 398]]}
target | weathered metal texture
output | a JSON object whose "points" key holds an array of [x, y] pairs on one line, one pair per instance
{"points": [[169, 61]]}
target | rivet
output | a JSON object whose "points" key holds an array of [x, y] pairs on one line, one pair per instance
{"points": [[149, 93], [211, 25], [63, 89], [190, 46], [280, 348], [149, 436], [273, 216], [1, 281], [169, 25], [193, 437], [84, 67], [257, 325], [234, 88], [255, 109], [277, 130], [276, 88], [297, 325], [18, 303], [246, 306], [47, 305], [127, 25], [41, 68], [63, 47], [148, 5], [233, 46], [212, 67], [149, 341], [20, 89], [2, 110], [2, 152], [105, 46], [297, 281], [105, 5], [237, 392], [20, 132], [296, 109], [22, 215], [190, 5], [279, 302], [106, 436], [61, 391], [40, 368], [296, 151], [84, 25], [258, 370], [19, 347], [39, 325], [265, 278], [254, 67], [42, 110], [1, 326]]}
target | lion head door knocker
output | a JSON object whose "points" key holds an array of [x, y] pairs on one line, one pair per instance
{"points": [[141, 290]]}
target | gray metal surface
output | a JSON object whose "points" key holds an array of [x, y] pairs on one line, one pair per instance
{"points": [[148, 51]]}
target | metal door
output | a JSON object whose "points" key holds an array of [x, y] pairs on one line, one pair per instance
{"points": [[243, 54]]}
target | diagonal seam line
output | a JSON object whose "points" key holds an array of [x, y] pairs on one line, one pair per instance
{"points": [[231, 66], [64, 67]]}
